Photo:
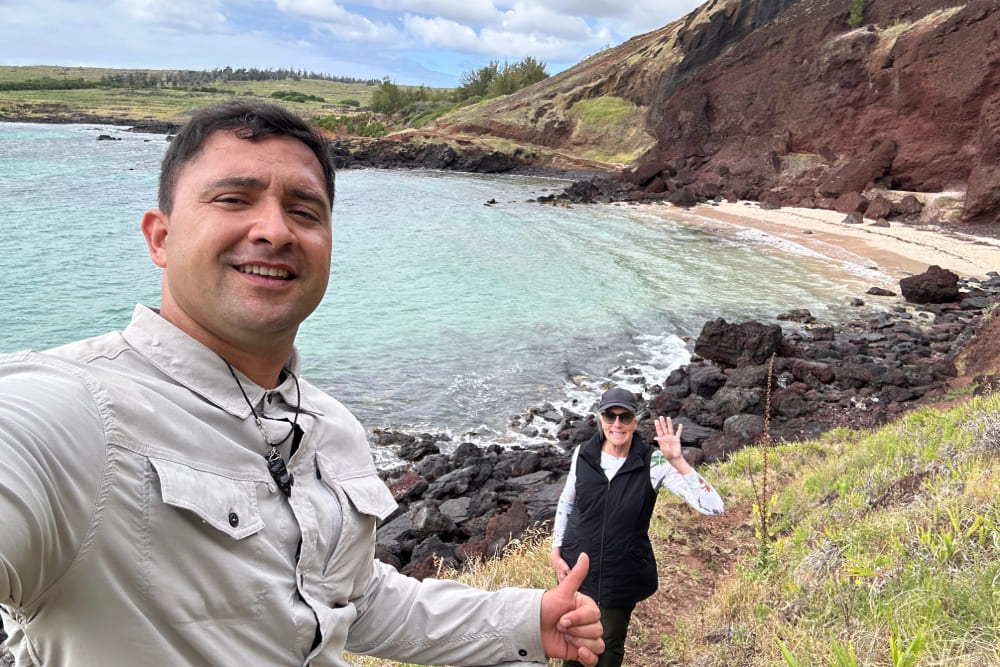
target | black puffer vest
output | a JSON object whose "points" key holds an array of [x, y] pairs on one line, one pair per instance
{"points": [[610, 523]]}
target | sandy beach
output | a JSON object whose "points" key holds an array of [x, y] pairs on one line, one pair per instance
{"points": [[862, 251]]}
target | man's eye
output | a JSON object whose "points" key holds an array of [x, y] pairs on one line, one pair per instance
{"points": [[305, 213]]}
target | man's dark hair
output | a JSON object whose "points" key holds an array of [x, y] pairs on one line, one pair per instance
{"points": [[249, 120]]}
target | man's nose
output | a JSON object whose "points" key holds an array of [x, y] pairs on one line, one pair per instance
{"points": [[272, 225]]}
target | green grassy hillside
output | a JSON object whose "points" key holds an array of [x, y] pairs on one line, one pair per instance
{"points": [[884, 549], [171, 104]]}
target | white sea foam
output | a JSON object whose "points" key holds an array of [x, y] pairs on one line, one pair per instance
{"points": [[849, 262]]}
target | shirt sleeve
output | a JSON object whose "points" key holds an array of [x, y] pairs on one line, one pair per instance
{"points": [[48, 477], [691, 488], [445, 622], [567, 500]]}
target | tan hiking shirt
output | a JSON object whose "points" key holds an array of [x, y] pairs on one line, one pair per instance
{"points": [[139, 524]]}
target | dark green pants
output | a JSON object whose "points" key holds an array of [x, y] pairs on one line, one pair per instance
{"points": [[615, 621]]}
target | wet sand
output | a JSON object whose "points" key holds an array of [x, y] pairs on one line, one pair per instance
{"points": [[867, 252]]}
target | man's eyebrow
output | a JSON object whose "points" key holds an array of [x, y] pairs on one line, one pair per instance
{"points": [[236, 182]]}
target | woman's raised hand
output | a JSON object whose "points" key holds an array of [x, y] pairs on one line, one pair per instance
{"points": [[669, 441]]}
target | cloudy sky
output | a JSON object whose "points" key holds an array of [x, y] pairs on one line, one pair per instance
{"points": [[429, 42]]}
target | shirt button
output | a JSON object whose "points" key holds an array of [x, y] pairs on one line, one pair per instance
{"points": [[234, 519], [521, 652]]}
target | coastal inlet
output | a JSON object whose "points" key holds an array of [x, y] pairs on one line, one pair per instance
{"points": [[455, 302]]}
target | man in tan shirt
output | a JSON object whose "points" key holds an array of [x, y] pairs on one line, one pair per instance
{"points": [[175, 494]]}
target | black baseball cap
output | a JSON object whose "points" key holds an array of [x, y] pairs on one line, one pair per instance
{"points": [[618, 397]]}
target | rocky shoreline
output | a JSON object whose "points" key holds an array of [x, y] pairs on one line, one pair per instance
{"points": [[463, 156], [471, 502], [363, 152], [57, 116]]}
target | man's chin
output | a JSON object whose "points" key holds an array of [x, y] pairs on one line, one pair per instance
{"points": [[266, 321]]}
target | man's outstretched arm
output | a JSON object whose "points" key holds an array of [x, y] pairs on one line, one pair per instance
{"points": [[52, 446]]}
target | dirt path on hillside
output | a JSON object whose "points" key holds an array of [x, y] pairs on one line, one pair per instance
{"points": [[699, 553]]}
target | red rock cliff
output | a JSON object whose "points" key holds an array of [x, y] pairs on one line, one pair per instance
{"points": [[807, 110], [784, 102]]}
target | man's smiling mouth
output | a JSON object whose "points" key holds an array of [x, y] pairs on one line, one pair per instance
{"points": [[266, 271]]}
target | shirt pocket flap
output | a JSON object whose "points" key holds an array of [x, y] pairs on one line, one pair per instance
{"points": [[228, 505], [367, 493]]}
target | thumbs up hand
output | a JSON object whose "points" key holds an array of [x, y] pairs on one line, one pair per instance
{"points": [[571, 621]]}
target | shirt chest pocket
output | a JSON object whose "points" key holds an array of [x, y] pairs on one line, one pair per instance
{"points": [[363, 499], [206, 556], [228, 505]]}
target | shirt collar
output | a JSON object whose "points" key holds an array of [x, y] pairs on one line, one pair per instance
{"points": [[195, 366]]}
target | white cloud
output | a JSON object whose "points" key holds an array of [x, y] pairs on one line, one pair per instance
{"points": [[602, 8], [520, 30], [650, 13], [507, 45], [629, 19], [315, 10], [534, 19], [359, 29], [188, 15], [475, 12], [339, 23], [443, 33]]}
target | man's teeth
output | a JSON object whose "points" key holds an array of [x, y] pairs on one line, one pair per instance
{"points": [[264, 271]]}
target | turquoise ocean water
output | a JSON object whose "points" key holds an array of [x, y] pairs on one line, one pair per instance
{"points": [[443, 313]]}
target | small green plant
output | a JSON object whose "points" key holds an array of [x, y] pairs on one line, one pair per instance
{"points": [[361, 126], [843, 655], [787, 655], [905, 656], [431, 113], [857, 12], [955, 392]]}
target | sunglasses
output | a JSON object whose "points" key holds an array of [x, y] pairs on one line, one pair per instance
{"points": [[624, 417]]}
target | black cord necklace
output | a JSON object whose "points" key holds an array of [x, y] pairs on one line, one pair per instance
{"points": [[275, 464]]}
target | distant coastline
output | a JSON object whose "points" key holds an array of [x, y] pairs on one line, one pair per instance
{"points": [[78, 118]]}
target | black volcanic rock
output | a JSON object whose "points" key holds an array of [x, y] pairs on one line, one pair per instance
{"points": [[936, 285]]}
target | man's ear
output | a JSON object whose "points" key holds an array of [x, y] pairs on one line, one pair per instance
{"points": [[154, 228]]}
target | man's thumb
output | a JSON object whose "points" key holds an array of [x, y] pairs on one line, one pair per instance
{"points": [[576, 576]]}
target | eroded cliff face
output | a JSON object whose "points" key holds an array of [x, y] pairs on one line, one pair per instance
{"points": [[782, 101], [807, 111]]}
